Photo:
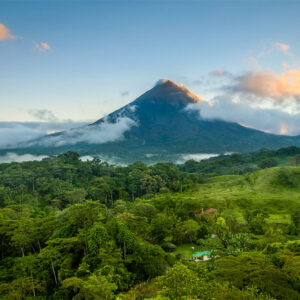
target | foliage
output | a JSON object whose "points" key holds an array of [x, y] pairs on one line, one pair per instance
{"points": [[89, 230]]}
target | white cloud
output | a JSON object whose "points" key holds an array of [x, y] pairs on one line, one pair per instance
{"points": [[92, 134], [226, 108], [182, 158], [14, 157], [14, 133]]}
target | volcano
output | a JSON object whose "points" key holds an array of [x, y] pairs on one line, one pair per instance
{"points": [[158, 123]]}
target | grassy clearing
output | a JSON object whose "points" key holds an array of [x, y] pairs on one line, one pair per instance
{"points": [[186, 250], [233, 194], [279, 219]]}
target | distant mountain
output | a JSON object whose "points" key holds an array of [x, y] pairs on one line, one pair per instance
{"points": [[157, 124]]}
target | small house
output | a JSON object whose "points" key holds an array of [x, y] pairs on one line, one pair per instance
{"points": [[202, 255]]}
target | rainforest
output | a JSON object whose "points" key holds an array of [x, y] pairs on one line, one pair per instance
{"points": [[72, 229]]}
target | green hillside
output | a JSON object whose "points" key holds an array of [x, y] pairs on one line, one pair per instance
{"points": [[89, 230]]}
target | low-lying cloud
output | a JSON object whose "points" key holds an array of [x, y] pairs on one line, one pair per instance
{"points": [[14, 157], [182, 158], [266, 119], [13, 134], [263, 100], [93, 134]]}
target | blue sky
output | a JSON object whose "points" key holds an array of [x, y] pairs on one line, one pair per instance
{"points": [[83, 59]]}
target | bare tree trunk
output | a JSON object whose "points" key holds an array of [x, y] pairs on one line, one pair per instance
{"points": [[33, 289], [85, 248], [39, 245], [53, 270], [124, 249], [2, 252]]}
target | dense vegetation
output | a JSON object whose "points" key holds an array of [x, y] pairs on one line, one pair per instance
{"points": [[243, 163], [88, 230]]}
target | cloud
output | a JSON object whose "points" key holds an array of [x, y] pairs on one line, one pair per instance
{"points": [[220, 73], [124, 93], [5, 33], [41, 46], [13, 134], [282, 47], [182, 158], [45, 46], [261, 99], [226, 108], [253, 63], [43, 115], [14, 157], [96, 133], [268, 84]]}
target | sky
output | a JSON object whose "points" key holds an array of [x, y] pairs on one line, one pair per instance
{"points": [[68, 62]]}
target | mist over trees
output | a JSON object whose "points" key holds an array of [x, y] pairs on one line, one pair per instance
{"points": [[90, 230]]}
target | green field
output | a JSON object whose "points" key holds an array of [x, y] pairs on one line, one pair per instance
{"points": [[265, 190], [186, 250]]}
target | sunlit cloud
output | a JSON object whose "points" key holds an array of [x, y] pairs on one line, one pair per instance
{"points": [[41, 46], [225, 107], [269, 84], [282, 47], [284, 128], [260, 99], [45, 46], [5, 33]]}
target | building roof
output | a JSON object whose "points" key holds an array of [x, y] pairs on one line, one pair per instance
{"points": [[202, 253]]}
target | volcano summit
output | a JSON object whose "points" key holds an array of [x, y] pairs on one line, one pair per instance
{"points": [[158, 123]]}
